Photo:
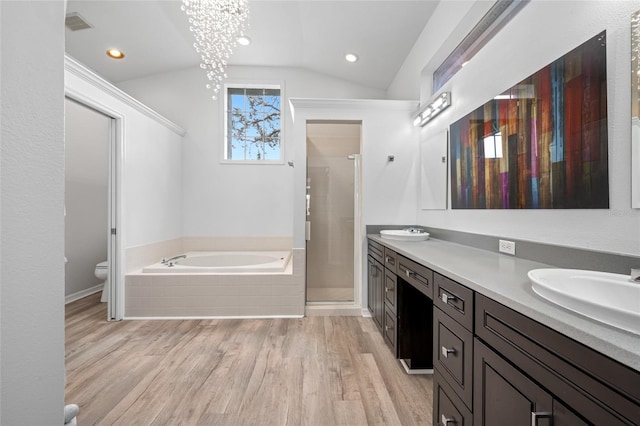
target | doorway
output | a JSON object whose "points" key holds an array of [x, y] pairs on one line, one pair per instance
{"points": [[90, 202], [333, 211]]}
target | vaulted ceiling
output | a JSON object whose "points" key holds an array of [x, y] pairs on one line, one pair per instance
{"points": [[308, 34]]}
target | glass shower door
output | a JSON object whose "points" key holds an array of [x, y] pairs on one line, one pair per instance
{"points": [[330, 212]]}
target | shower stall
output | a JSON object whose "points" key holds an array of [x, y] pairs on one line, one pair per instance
{"points": [[333, 199]]}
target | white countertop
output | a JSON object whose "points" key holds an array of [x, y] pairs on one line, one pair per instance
{"points": [[503, 278]]}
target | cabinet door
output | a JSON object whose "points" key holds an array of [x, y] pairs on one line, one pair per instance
{"points": [[505, 397], [375, 298], [370, 293]]}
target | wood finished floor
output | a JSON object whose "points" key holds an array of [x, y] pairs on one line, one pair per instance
{"points": [[309, 371]]}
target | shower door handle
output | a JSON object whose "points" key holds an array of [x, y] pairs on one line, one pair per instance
{"points": [[307, 230]]}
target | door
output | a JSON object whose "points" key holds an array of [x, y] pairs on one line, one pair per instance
{"points": [[503, 396], [92, 135], [332, 218]]}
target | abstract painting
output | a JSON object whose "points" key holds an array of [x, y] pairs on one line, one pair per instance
{"points": [[542, 144]]}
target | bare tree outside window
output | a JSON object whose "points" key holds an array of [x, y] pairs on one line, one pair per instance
{"points": [[253, 124]]}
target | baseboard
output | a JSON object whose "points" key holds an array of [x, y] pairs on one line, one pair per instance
{"points": [[214, 317], [83, 293], [405, 365], [334, 310]]}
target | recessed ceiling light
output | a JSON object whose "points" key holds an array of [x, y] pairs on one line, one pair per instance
{"points": [[244, 40], [115, 53], [351, 57]]}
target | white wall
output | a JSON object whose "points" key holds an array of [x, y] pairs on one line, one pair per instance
{"points": [[389, 189], [542, 32], [226, 199], [86, 194], [31, 215], [151, 176]]}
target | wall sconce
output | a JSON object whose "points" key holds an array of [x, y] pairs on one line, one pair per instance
{"points": [[439, 104]]}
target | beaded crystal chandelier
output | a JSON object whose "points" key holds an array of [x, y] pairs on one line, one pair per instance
{"points": [[216, 25]]}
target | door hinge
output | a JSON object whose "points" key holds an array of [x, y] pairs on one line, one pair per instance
{"points": [[113, 231]]}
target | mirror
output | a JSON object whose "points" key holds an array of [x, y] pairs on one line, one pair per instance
{"points": [[635, 109]]}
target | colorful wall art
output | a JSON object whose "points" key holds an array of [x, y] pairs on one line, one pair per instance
{"points": [[541, 144]]}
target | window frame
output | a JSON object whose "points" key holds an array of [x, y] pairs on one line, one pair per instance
{"points": [[225, 122]]}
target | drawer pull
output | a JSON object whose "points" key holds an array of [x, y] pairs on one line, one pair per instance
{"points": [[447, 351], [535, 415], [446, 297], [387, 289], [389, 259], [409, 273], [447, 420], [387, 328]]}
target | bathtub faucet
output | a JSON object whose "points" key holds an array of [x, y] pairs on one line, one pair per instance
{"points": [[171, 261]]}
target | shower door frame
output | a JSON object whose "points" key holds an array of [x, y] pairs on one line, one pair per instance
{"points": [[357, 217]]}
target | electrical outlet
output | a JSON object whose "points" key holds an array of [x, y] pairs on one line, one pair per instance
{"points": [[508, 247]]}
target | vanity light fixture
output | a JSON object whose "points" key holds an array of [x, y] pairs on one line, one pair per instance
{"points": [[426, 114], [115, 53]]}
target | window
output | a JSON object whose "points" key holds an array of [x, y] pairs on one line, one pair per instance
{"points": [[253, 128]]}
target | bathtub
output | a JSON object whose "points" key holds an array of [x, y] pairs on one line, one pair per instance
{"points": [[229, 262], [220, 278]]}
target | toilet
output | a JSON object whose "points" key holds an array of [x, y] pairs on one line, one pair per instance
{"points": [[102, 273]]}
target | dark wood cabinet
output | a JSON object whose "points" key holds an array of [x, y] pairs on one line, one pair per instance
{"points": [[390, 330], [390, 259], [504, 396], [585, 386], [453, 354], [375, 300], [448, 408], [492, 365], [400, 301]]}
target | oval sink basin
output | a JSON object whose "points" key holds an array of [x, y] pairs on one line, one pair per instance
{"points": [[609, 298], [401, 235]]}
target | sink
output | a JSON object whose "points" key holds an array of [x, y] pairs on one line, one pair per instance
{"points": [[403, 235], [609, 298]]}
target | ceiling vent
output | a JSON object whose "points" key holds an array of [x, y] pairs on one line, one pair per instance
{"points": [[75, 22]]}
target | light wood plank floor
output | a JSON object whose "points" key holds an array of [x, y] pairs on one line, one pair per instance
{"points": [[309, 371]]}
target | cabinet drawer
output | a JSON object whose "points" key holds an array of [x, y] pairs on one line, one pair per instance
{"points": [[448, 409], [454, 299], [376, 250], [390, 291], [453, 354], [390, 260], [389, 331], [417, 275]]}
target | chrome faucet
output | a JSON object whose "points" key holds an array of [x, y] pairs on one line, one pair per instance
{"points": [[172, 260], [414, 230]]}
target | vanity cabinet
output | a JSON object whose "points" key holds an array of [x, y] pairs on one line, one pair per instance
{"points": [[525, 370], [492, 365], [404, 297]]}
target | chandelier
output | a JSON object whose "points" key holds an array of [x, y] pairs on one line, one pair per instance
{"points": [[216, 26]]}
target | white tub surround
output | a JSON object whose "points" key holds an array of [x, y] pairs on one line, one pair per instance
{"points": [[194, 294]]}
